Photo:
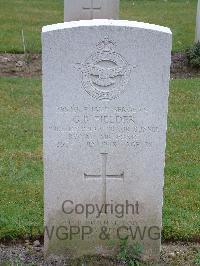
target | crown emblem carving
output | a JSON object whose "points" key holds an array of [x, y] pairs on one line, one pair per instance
{"points": [[106, 45]]}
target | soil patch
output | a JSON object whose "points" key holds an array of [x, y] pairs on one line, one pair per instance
{"points": [[31, 253], [181, 69], [29, 65], [20, 65]]}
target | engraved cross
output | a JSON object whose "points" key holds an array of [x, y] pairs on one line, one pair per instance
{"points": [[93, 6], [103, 177]]}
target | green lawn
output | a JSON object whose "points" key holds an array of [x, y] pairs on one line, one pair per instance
{"points": [[31, 15], [21, 173], [21, 170], [182, 184]]}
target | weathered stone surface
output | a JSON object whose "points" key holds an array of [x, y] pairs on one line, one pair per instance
{"points": [[105, 90], [197, 38], [90, 9]]}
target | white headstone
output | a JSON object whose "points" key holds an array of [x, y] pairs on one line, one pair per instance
{"points": [[197, 39], [90, 9], [105, 89]]}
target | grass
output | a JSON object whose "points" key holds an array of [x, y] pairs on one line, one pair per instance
{"points": [[21, 174], [31, 15], [197, 259], [179, 15], [21, 170], [182, 184]]}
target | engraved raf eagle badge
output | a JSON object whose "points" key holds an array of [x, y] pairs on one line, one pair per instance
{"points": [[105, 73]]}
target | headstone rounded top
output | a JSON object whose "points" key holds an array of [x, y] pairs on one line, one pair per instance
{"points": [[105, 22]]}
